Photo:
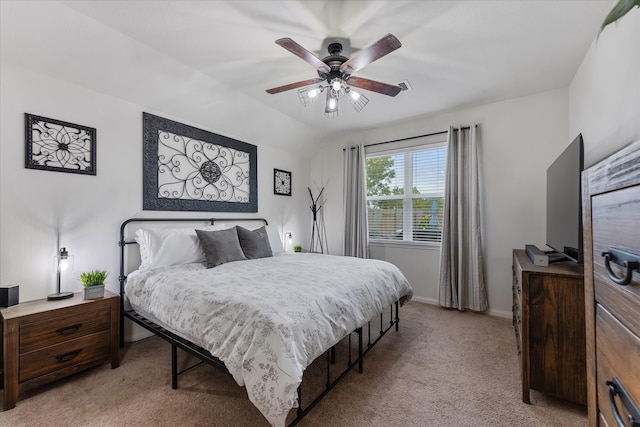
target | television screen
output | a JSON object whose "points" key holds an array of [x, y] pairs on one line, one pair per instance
{"points": [[564, 202]]}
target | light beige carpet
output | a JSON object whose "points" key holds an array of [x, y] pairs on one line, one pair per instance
{"points": [[443, 368]]}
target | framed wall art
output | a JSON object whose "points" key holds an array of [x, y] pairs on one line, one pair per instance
{"points": [[191, 169], [54, 145], [281, 182]]}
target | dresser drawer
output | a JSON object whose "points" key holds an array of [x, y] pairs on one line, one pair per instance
{"points": [[517, 304], [72, 352], [518, 322], [616, 224], [85, 320], [603, 422], [617, 355]]}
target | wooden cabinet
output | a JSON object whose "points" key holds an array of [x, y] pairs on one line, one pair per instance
{"points": [[43, 341], [611, 220], [548, 317]]}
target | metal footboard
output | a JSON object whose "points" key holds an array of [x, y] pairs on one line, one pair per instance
{"points": [[330, 355], [204, 356]]}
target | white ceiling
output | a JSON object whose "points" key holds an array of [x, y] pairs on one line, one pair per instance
{"points": [[453, 54]]}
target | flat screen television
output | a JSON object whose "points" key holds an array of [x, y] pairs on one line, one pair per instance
{"points": [[564, 202]]}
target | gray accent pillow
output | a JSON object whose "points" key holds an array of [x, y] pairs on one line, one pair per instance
{"points": [[254, 243], [220, 246]]}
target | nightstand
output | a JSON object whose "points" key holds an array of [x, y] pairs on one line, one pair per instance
{"points": [[43, 341]]}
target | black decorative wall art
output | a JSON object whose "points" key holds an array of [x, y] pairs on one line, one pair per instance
{"points": [[281, 182], [190, 169], [54, 145]]}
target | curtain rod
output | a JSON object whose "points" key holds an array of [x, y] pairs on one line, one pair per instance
{"points": [[418, 136], [413, 137]]}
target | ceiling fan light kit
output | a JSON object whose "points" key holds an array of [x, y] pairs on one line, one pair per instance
{"points": [[335, 74], [358, 100], [331, 107]]}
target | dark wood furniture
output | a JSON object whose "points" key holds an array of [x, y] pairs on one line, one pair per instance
{"points": [[548, 317], [611, 219], [43, 341]]}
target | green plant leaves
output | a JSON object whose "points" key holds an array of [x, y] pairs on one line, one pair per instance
{"points": [[93, 278], [619, 10]]}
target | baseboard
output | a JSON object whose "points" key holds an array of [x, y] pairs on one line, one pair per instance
{"points": [[501, 313], [424, 300], [496, 313]]}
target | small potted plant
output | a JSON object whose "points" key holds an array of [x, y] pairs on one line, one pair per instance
{"points": [[93, 282], [297, 248]]}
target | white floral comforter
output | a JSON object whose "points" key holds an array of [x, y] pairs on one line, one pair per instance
{"points": [[267, 319]]}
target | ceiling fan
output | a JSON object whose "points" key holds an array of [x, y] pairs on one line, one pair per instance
{"points": [[335, 74]]}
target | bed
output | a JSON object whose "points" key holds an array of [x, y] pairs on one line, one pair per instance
{"points": [[263, 320]]}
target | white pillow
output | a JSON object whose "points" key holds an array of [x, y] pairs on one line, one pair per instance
{"points": [[161, 247], [274, 239]]}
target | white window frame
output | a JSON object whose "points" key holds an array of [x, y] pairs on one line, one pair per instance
{"points": [[406, 147]]}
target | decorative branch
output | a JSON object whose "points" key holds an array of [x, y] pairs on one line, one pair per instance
{"points": [[315, 229], [315, 207]]}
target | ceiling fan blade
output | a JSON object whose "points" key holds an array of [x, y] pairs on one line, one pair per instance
{"points": [[293, 86], [366, 56], [374, 86], [303, 53]]}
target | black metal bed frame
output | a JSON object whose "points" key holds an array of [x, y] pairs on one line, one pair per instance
{"points": [[205, 357]]}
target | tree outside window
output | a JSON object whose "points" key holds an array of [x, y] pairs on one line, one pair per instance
{"points": [[405, 194]]}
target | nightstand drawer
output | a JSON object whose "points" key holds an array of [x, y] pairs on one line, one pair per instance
{"points": [[71, 325], [72, 352], [44, 341]]}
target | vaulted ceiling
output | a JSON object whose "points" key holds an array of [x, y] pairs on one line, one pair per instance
{"points": [[453, 54]]}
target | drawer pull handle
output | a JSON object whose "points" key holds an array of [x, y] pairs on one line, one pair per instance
{"points": [[616, 389], [68, 356], [626, 259], [68, 330]]}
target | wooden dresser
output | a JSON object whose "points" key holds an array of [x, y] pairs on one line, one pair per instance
{"points": [[611, 214], [43, 341], [548, 317]]}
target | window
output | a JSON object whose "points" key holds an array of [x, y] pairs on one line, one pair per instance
{"points": [[405, 193]]}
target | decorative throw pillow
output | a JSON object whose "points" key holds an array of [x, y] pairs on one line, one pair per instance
{"points": [[220, 246], [254, 243], [160, 247]]}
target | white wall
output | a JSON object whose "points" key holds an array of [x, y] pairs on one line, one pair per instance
{"points": [[83, 75], [604, 96], [86, 211], [519, 139]]}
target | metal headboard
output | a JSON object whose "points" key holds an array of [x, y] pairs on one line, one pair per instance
{"points": [[123, 243]]}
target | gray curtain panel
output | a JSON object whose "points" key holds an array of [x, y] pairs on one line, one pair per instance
{"points": [[461, 283], [356, 241]]}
